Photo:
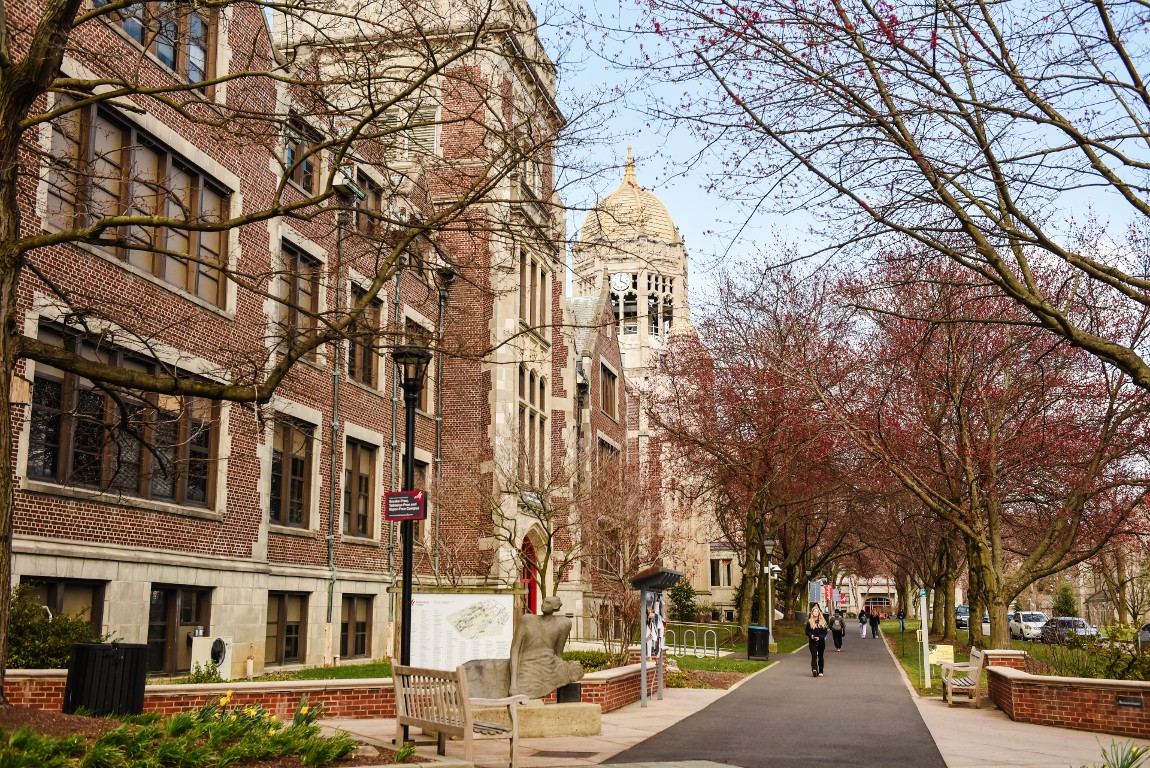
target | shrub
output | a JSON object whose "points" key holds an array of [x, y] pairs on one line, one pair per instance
{"points": [[683, 604], [39, 642], [592, 661], [208, 673], [1064, 602]]}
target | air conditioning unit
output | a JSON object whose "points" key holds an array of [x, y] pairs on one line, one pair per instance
{"points": [[213, 650], [345, 180]]}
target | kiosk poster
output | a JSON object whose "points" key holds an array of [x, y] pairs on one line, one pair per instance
{"points": [[656, 624], [449, 629]]}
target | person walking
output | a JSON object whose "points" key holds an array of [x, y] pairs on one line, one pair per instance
{"points": [[902, 619], [863, 617], [838, 629], [874, 617], [816, 630]]}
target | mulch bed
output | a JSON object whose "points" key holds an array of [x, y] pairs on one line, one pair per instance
{"points": [[58, 724], [698, 678]]}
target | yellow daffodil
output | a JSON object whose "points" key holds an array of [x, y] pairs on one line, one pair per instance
{"points": [[303, 710], [233, 717]]}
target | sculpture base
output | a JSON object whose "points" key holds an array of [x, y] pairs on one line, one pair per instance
{"points": [[544, 721]]}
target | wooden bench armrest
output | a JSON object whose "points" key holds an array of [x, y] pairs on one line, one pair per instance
{"points": [[504, 702]]}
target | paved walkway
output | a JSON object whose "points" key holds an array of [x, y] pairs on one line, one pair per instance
{"points": [[858, 714]]}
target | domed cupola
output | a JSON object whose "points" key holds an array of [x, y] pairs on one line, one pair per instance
{"points": [[629, 213]]}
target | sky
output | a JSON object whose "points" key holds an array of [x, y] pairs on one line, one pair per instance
{"points": [[593, 70]]}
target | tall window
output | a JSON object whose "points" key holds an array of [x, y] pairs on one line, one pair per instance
{"points": [[173, 616], [534, 291], [419, 336], [721, 572], [362, 355], [532, 391], [355, 627], [102, 167], [358, 488], [300, 155], [291, 473], [286, 628], [179, 34], [145, 445], [608, 392], [301, 300], [369, 209]]}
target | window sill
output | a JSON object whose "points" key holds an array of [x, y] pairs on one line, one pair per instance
{"points": [[534, 333], [287, 530], [366, 387], [358, 541], [72, 492], [116, 261]]}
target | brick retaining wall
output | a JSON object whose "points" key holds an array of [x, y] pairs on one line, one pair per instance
{"points": [[355, 698], [1071, 702]]}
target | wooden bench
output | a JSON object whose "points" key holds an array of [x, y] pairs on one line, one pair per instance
{"points": [[963, 677], [437, 700]]}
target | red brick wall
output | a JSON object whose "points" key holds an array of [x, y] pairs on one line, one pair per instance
{"points": [[1087, 705], [367, 698]]}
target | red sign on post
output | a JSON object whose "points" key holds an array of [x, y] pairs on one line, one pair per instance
{"points": [[405, 505], [827, 592]]}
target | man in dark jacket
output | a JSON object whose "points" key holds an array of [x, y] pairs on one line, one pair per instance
{"points": [[874, 617]]}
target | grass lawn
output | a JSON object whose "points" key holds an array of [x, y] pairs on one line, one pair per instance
{"points": [[711, 664], [379, 668], [908, 651]]}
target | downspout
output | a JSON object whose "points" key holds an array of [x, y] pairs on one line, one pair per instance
{"points": [[337, 362], [446, 278], [397, 315]]}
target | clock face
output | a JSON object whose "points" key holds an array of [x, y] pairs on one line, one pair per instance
{"points": [[620, 281]]}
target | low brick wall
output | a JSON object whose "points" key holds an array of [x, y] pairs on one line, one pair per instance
{"points": [[618, 687], [1006, 658], [356, 698], [35, 688], [1072, 702]]}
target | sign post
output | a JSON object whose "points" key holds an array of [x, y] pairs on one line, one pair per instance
{"points": [[925, 637]]}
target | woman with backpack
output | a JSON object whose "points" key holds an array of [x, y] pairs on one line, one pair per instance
{"points": [[863, 618], [838, 629]]}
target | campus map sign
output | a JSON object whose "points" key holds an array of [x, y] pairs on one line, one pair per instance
{"points": [[449, 629]]}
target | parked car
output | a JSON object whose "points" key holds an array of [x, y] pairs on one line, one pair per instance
{"points": [[1144, 636], [961, 616], [1056, 630], [1026, 625]]}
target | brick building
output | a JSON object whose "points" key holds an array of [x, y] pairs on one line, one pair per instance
{"points": [[258, 228]]}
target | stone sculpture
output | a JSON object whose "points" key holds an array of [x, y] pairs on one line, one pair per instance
{"points": [[536, 667], [537, 664]]}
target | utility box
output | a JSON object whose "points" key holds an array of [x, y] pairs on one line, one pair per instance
{"points": [[106, 678], [213, 650]]}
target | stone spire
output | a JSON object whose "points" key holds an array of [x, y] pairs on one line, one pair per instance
{"points": [[629, 168]]}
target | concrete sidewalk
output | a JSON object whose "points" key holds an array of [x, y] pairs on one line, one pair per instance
{"points": [[965, 737]]}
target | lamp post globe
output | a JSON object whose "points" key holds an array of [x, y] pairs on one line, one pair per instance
{"points": [[768, 550]]}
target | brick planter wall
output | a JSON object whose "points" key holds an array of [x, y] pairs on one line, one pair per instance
{"points": [[1006, 658], [357, 698], [615, 688], [1071, 702]]}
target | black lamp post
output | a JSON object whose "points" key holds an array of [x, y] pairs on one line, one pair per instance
{"points": [[412, 362]]}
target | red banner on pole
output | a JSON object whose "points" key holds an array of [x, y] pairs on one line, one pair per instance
{"points": [[827, 592]]}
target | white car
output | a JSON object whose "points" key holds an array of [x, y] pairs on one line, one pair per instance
{"points": [[1026, 625]]}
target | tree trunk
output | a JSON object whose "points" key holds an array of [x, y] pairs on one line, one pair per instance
{"points": [[10, 266]]}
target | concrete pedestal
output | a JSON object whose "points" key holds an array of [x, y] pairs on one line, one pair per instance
{"points": [[540, 721]]}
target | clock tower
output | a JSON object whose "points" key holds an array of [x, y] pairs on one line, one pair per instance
{"points": [[630, 247]]}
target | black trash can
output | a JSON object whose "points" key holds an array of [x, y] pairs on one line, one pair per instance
{"points": [[758, 643], [106, 678]]}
